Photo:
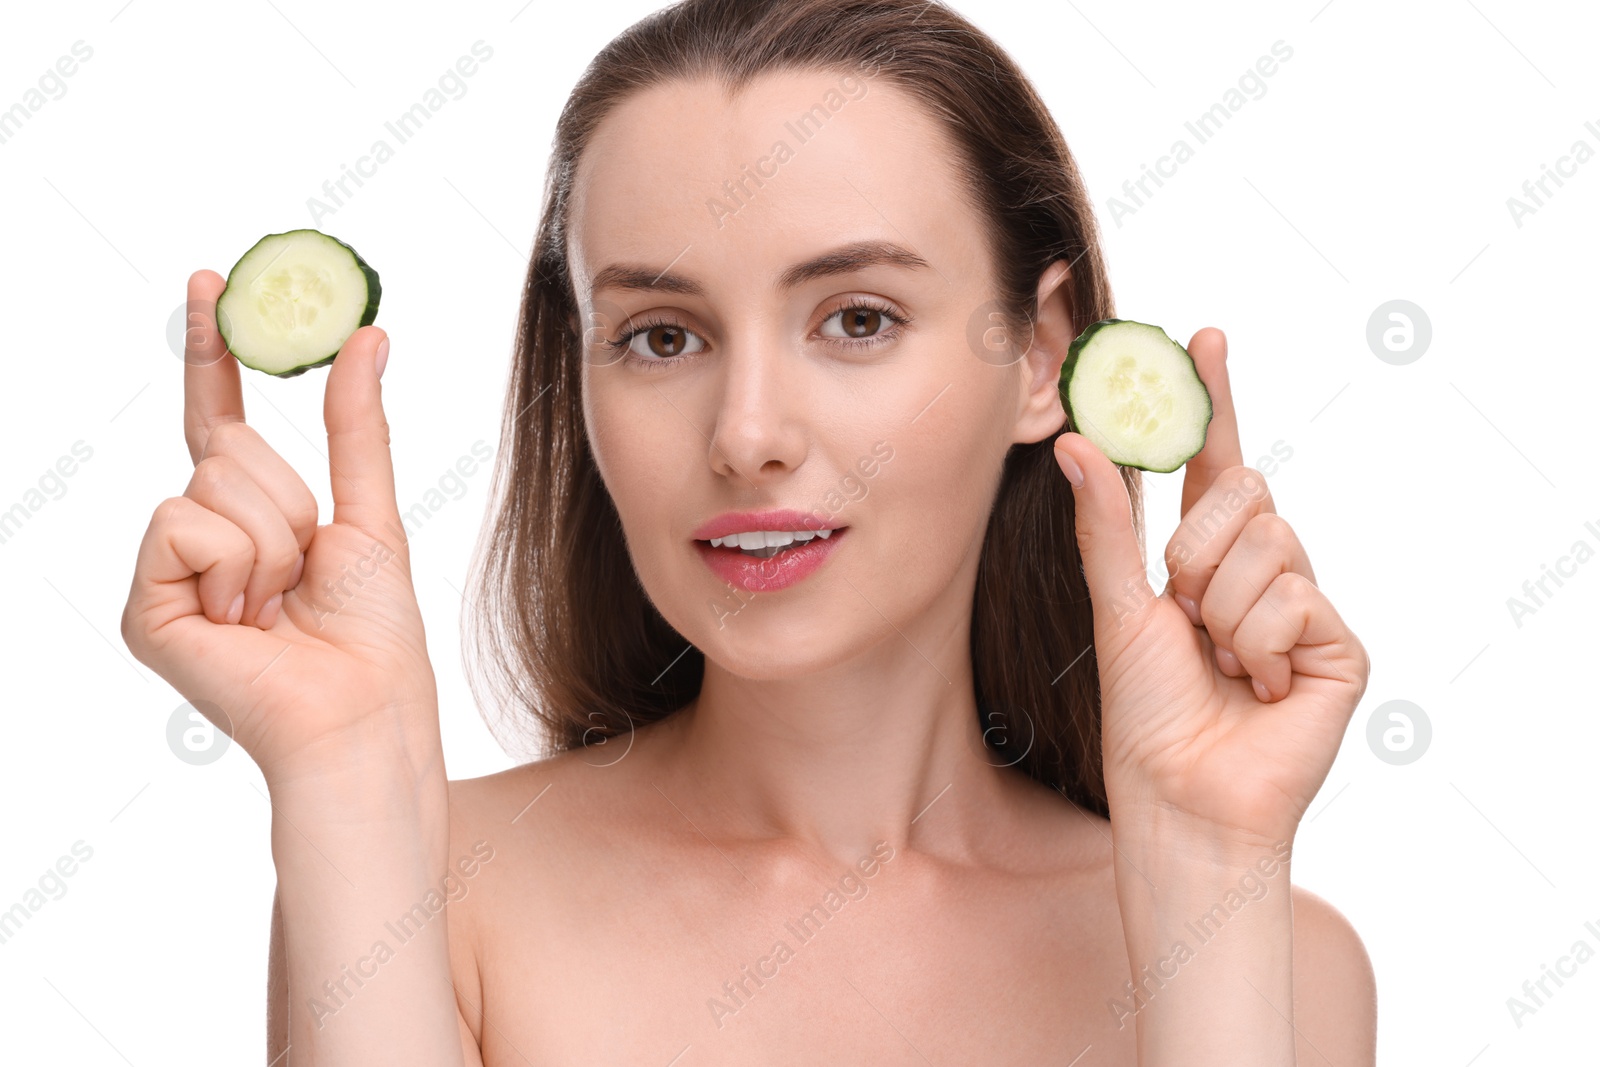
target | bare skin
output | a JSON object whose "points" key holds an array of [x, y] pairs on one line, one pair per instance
{"points": [[1005, 949], [613, 891]]}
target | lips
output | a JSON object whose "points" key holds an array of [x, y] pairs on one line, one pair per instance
{"points": [[769, 574]]}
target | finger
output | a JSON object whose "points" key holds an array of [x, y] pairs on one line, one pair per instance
{"points": [[1209, 350], [211, 393], [1208, 531], [222, 486], [240, 442], [1228, 663], [1265, 548], [1103, 522], [191, 569], [358, 438], [185, 539], [1293, 629]]}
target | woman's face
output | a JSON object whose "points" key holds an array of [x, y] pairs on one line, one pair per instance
{"points": [[807, 285]]}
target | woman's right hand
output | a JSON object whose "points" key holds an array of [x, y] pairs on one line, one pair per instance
{"points": [[307, 638]]}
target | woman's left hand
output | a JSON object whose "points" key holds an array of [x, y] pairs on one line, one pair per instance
{"points": [[1225, 712]]}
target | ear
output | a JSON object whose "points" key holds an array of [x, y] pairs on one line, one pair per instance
{"points": [[1040, 413]]}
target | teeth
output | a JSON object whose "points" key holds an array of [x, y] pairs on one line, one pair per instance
{"points": [[757, 539]]}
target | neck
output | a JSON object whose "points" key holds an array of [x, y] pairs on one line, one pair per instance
{"points": [[885, 746]]}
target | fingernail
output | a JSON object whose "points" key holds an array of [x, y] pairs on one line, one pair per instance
{"points": [[1261, 690], [299, 569], [1070, 468], [1190, 608], [383, 356], [236, 609], [1227, 661], [269, 612]]}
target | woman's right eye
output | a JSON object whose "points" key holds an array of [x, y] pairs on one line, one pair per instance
{"points": [[664, 342]]}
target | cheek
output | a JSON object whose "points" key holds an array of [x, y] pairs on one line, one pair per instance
{"points": [[626, 431], [929, 504], [952, 452]]}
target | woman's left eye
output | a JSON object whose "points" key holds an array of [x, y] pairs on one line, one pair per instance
{"points": [[863, 323]]}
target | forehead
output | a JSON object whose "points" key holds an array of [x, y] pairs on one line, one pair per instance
{"points": [[798, 162]]}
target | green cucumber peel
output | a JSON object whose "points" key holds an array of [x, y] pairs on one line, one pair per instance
{"points": [[1136, 394], [293, 299]]}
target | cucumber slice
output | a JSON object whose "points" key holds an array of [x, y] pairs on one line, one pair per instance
{"points": [[1136, 394], [293, 300]]}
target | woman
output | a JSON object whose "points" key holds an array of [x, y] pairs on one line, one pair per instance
{"points": [[932, 774]]}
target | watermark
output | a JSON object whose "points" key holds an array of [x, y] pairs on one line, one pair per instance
{"points": [[192, 732], [336, 595], [1153, 977], [737, 993], [851, 489], [989, 335], [1566, 967], [1536, 191], [1536, 591], [451, 485], [1399, 332], [51, 885], [345, 591], [1202, 128], [51, 82], [1399, 732], [51, 485], [336, 993], [1006, 734], [604, 737], [737, 192], [604, 316], [186, 332], [402, 128]]}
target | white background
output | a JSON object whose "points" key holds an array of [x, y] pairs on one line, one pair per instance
{"points": [[1376, 166]]}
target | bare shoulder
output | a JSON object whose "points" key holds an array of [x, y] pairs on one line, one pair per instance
{"points": [[481, 801], [485, 816], [1335, 991], [506, 804]]}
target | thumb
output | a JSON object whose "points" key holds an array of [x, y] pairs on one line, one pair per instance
{"points": [[358, 436], [1113, 564]]}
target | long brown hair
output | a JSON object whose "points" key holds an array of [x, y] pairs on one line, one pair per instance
{"points": [[559, 621]]}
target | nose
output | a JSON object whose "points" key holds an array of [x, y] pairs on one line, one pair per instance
{"points": [[758, 437]]}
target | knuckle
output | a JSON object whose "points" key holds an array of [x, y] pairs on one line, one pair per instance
{"points": [[206, 428], [130, 634], [240, 545], [169, 510], [1250, 480], [1246, 480], [1271, 531], [302, 514], [1177, 552], [281, 556], [1222, 631], [1297, 589], [227, 436], [212, 474]]}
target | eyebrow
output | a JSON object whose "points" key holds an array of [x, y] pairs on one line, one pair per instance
{"points": [[845, 259]]}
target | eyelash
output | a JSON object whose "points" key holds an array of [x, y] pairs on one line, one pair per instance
{"points": [[650, 322]]}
